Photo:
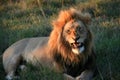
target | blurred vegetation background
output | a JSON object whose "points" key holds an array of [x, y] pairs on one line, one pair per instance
{"points": [[31, 18]]}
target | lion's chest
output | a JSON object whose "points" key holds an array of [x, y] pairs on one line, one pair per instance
{"points": [[73, 70]]}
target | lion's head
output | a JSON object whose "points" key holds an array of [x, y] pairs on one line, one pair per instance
{"points": [[71, 37], [75, 34]]}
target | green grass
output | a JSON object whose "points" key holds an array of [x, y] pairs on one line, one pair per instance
{"points": [[107, 44], [21, 21], [40, 73]]}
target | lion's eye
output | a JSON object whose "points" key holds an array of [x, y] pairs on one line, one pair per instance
{"points": [[80, 28], [68, 31]]}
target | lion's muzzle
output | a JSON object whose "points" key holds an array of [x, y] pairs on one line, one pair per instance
{"points": [[76, 44], [77, 47]]}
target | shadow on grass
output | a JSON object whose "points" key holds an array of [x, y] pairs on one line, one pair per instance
{"points": [[2, 72]]}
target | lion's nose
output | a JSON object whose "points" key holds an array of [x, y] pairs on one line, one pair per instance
{"points": [[76, 38]]}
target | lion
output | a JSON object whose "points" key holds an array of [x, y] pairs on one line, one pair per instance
{"points": [[68, 50]]}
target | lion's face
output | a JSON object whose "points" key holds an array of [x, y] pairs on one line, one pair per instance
{"points": [[75, 34]]}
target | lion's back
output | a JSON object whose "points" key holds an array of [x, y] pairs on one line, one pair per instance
{"points": [[35, 43]]}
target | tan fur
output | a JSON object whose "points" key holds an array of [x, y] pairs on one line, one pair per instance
{"points": [[55, 51]]}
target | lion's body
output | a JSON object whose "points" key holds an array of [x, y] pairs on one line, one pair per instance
{"points": [[29, 49], [26, 49], [69, 49]]}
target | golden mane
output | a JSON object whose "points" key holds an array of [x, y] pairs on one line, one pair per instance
{"points": [[57, 44]]}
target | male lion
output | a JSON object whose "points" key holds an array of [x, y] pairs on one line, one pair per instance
{"points": [[69, 48]]}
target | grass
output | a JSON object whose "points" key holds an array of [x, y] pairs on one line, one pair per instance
{"points": [[107, 43], [43, 73], [21, 21]]}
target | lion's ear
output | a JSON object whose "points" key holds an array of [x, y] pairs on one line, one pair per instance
{"points": [[58, 24], [86, 18]]}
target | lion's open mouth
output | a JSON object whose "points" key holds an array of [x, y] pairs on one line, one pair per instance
{"points": [[76, 45]]}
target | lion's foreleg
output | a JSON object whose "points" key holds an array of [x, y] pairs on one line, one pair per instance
{"points": [[85, 75], [68, 77]]}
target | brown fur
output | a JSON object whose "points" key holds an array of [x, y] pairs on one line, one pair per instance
{"points": [[56, 49]]}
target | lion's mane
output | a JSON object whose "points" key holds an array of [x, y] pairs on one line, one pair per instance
{"points": [[59, 48]]}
